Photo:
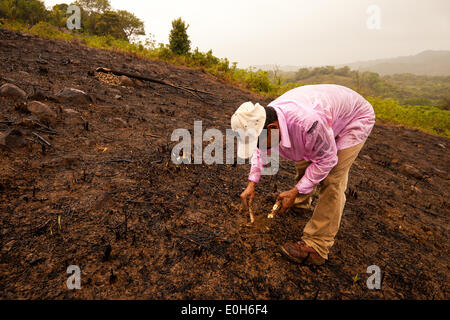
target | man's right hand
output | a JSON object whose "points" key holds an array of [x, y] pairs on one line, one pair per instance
{"points": [[248, 194]]}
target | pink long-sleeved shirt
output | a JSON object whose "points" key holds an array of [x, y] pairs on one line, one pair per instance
{"points": [[316, 121]]}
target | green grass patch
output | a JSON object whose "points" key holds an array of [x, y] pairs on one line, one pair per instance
{"points": [[428, 119]]}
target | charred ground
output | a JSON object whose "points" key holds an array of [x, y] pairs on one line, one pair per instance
{"points": [[141, 227]]}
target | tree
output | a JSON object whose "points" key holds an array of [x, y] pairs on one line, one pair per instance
{"points": [[179, 42], [108, 23], [358, 78], [58, 15], [97, 6], [277, 74], [344, 71], [373, 81], [130, 24], [91, 11], [28, 11], [97, 17], [446, 103], [302, 73], [7, 9]]}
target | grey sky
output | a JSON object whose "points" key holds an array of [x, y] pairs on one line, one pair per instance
{"points": [[299, 32]]}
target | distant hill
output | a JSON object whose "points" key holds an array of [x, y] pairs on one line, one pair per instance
{"points": [[431, 63]]}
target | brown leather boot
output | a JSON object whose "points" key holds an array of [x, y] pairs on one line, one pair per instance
{"points": [[299, 252]]}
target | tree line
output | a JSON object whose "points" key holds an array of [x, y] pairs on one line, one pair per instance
{"points": [[97, 17], [408, 89]]}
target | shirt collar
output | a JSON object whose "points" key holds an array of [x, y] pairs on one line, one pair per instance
{"points": [[285, 140]]}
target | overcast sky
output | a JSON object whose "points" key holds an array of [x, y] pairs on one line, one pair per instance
{"points": [[299, 32]]}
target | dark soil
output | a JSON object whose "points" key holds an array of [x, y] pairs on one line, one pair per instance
{"points": [[141, 227]]}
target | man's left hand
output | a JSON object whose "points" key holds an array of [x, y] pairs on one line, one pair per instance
{"points": [[287, 199]]}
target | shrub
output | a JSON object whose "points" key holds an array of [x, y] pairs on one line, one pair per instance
{"points": [[259, 81], [46, 30], [429, 119]]}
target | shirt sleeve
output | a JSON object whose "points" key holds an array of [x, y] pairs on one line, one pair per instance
{"points": [[256, 166], [321, 150]]}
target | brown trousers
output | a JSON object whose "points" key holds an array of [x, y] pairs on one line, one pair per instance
{"points": [[323, 226]]}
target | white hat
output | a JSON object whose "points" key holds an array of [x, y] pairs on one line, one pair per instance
{"points": [[248, 121]]}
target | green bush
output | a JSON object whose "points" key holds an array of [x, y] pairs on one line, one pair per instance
{"points": [[429, 119], [46, 30], [259, 81], [163, 52]]}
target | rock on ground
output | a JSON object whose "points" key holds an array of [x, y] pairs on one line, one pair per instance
{"points": [[42, 111], [125, 81], [12, 91], [73, 96], [72, 116], [12, 138]]}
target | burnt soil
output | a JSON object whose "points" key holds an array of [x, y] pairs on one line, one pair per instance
{"points": [[140, 226]]}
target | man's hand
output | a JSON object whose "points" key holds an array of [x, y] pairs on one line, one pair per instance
{"points": [[287, 199], [248, 194]]}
